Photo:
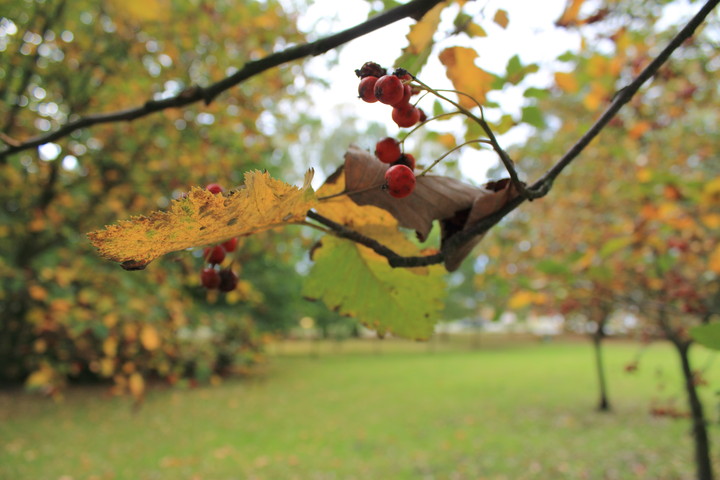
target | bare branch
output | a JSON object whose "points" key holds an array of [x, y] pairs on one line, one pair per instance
{"points": [[413, 9]]}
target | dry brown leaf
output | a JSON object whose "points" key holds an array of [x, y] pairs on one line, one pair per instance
{"points": [[203, 218], [457, 205]]}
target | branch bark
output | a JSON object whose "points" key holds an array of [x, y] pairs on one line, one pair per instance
{"points": [[413, 9], [542, 186]]}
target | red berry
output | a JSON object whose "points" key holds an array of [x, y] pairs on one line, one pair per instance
{"points": [[214, 188], [214, 255], [400, 181], [230, 245], [366, 89], [406, 159], [210, 278], [407, 94], [387, 150], [406, 115], [423, 117], [228, 280], [389, 89]]}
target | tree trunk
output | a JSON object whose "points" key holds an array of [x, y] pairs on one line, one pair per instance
{"points": [[699, 429], [603, 402]]}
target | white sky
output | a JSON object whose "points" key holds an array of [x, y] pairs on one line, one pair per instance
{"points": [[531, 34]]}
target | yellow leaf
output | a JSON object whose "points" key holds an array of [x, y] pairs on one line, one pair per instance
{"points": [[149, 337], [596, 97], [107, 367], [566, 82], [644, 175], [598, 66], [420, 36], [136, 385], [570, 14], [203, 218], [142, 10], [501, 18], [343, 210], [465, 75], [639, 129], [37, 292], [711, 220], [447, 140], [475, 30], [714, 264], [521, 300], [711, 193], [110, 346]]}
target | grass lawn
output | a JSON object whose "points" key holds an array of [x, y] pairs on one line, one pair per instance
{"points": [[375, 410]]}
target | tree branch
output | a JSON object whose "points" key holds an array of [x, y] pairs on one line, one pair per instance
{"points": [[413, 9], [542, 186]]}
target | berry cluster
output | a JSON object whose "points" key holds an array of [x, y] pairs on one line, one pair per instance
{"points": [[399, 178], [212, 277], [394, 90]]}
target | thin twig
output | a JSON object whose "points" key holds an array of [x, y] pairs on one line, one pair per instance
{"points": [[414, 9], [456, 147], [504, 157]]}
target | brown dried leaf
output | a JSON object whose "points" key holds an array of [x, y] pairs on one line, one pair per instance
{"points": [[457, 205]]}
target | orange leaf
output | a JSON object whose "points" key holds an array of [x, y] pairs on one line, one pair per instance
{"points": [[567, 82], [465, 75], [639, 129], [149, 337], [570, 14], [501, 18]]}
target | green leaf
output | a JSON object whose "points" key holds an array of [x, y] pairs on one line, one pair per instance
{"points": [[514, 65], [533, 115], [534, 92], [567, 57], [552, 267], [707, 335], [357, 282], [437, 108], [614, 245]]}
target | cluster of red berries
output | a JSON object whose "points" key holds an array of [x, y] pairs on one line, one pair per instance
{"points": [[400, 177], [212, 277], [394, 90]]}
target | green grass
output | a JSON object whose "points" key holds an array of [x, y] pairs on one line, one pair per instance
{"points": [[369, 410]]}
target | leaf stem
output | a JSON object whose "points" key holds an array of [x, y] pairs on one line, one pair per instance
{"points": [[345, 192], [504, 157], [457, 147]]}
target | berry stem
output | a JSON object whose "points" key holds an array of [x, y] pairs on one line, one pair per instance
{"points": [[504, 157], [345, 192], [457, 147], [449, 114]]}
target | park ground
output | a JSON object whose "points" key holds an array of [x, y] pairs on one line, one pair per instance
{"points": [[476, 408]]}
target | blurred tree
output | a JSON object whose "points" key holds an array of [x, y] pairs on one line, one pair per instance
{"points": [[638, 225], [66, 313]]}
